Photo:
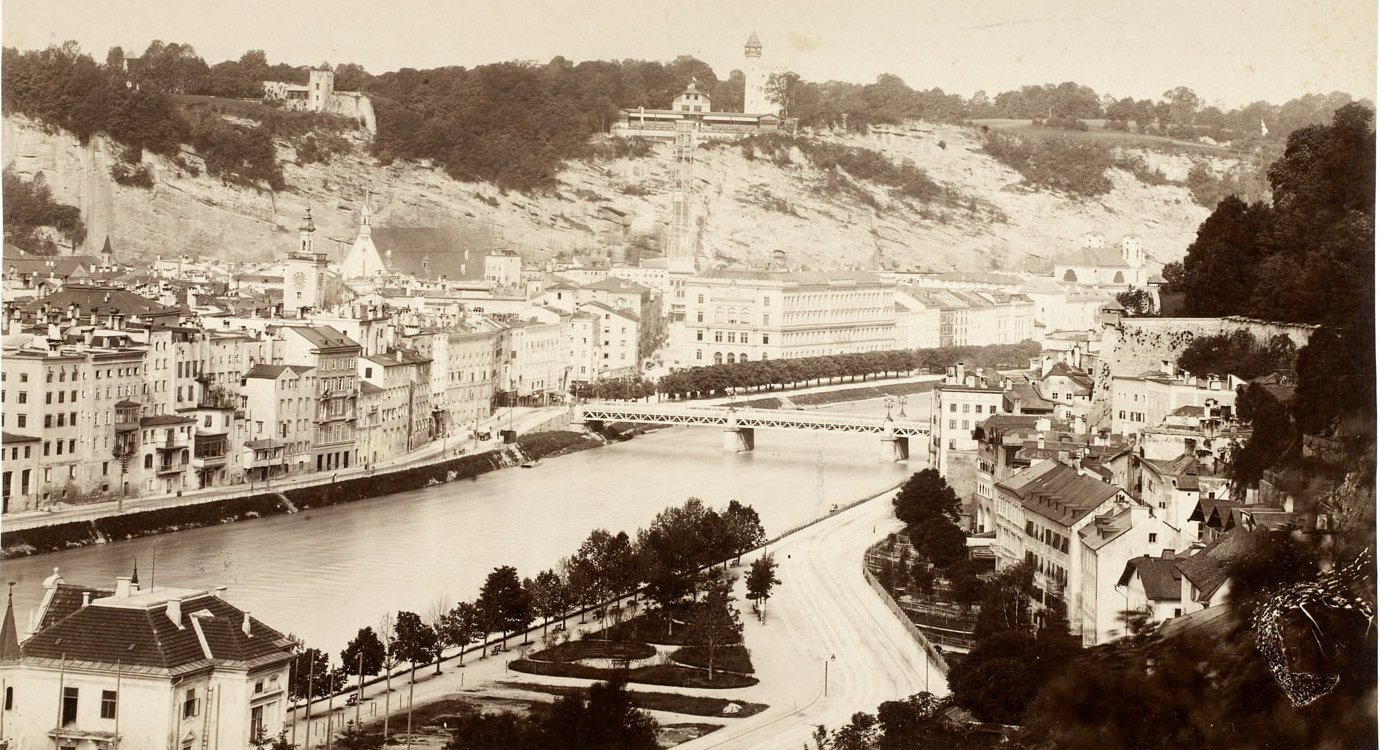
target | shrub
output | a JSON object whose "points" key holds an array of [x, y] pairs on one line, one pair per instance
{"points": [[132, 176]]}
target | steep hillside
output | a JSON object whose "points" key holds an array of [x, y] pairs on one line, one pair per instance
{"points": [[747, 208]]}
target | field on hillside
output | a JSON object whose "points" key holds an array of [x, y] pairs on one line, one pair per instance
{"points": [[1096, 132]]}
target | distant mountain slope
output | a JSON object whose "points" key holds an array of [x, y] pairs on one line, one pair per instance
{"points": [[747, 208]]}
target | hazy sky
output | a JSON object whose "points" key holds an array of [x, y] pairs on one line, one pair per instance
{"points": [[1229, 51]]}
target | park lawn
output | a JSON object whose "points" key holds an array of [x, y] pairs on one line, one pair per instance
{"points": [[693, 705], [728, 658], [671, 675]]}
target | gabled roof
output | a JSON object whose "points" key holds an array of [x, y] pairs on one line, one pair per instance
{"points": [[272, 372], [323, 337], [136, 632], [1095, 257], [1063, 369], [1207, 570], [1058, 492], [596, 304], [432, 252], [86, 298], [1159, 575]]}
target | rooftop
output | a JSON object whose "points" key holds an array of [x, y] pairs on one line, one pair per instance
{"points": [[1058, 492]]}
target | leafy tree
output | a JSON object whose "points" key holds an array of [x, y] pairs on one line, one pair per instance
{"points": [[858, 734], [744, 528], [414, 640], [355, 737], [503, 603], [925, 497], [670, 552], [715, 623], [1238, 353], [461, 626], [605, 720], [29, 207], [364, 654], [1137, 302], [550, 597], [310, 675], [761, 578], [477, 730]]}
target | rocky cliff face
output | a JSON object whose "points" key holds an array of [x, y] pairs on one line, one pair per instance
{"points": [[745, 208]]}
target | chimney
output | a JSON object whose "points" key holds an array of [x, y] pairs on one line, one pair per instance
{"points": [[175, 612], [219, 591], [1040, 441], [122, 587], [244, 627], [959, 372], [86, 598], [1046, 364]]}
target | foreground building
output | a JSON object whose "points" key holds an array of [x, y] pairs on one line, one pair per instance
{"points": [[165, 668]]}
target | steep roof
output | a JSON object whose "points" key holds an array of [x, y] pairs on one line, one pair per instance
{"points": [[323, 337], [432, 252], [1058, 492], [86, 298], [1207, 570], [136, 631], [1095, 257], [1159, 575]]}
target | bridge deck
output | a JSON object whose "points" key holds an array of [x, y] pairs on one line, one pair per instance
{"points": [[749, 418]]}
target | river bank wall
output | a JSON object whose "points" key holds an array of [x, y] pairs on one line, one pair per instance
{"points": [[533, 446]]}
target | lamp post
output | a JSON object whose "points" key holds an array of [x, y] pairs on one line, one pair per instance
{"points": [[889, 401], [826, 674], [902, 401]]}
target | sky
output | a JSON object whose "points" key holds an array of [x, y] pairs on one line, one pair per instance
{"points": [[1230, 52]]}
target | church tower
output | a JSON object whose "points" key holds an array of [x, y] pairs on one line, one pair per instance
{"points": [[304, 273], [363, 258], [755, 76]]}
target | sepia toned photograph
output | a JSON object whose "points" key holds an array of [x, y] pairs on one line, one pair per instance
{"points": [[882, 375]]}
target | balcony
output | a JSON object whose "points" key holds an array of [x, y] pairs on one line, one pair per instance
{"points": [[208, 462], [167, 467]]}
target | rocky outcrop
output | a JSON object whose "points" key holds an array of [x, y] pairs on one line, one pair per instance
{"points": [[747, 209]]}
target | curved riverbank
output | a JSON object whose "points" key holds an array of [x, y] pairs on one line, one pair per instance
{"points": [[534, 446]]}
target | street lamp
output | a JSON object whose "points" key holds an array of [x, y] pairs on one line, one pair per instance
{"points": [[826, 674], [889, 401], [902, 401]]}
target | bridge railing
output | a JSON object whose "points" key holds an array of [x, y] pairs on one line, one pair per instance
{"points": [[678, 414]]}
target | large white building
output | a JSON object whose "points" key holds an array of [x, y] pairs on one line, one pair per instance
{"points": [[165, 668], [732, 315]]}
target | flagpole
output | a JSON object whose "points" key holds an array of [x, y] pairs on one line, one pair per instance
{"points": [[359, 697]]}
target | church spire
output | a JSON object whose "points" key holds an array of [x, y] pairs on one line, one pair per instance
{"points": [[753, 48], [9, 634], [308, 232], [366, 216]]}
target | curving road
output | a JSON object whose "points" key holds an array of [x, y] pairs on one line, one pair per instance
{"points": [[825, 612]]}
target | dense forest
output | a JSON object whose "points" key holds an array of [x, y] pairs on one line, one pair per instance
{"points": [[515, 123]]}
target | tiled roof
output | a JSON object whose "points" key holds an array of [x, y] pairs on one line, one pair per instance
{"points": [[10, 437], [269, 372], [1095, 257], [86, 298], [324, 337], [1159, 575], [432, 252], [67, 598], [1207, 570], [615, 284], [1058, 492], [109, 631]]}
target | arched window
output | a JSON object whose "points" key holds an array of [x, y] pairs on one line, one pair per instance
{"points": [[1070, 276], [718, 358], [730, 358], [718, 315], [148, 461], [1118, 279], [742, 357]]}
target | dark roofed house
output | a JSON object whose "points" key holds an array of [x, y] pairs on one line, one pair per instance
{"points": [[169, 662]]}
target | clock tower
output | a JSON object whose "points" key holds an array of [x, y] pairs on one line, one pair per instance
{"points": [[304, 273]]}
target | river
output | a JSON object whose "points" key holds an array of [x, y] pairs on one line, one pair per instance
{"points": [[324, 573]]}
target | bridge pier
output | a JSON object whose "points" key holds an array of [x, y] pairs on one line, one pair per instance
{"points": [[895, 449], [739, 439]]}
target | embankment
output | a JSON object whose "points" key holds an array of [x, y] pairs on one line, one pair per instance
{"points": [[162, 520]]}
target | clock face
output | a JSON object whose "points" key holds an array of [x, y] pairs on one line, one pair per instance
{"points": [[299, 280]]}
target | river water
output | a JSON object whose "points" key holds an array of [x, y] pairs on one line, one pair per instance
{"points": [[324, 573]]}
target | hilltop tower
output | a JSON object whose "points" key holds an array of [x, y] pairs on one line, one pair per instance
{"points": [[304, 273], [321, 86], [755, 76]]}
